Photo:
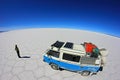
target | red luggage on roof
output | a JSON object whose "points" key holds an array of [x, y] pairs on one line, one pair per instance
{"points": [[89, 47]]}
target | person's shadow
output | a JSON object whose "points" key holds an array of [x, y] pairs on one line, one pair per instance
{"points": [[18, 53]]}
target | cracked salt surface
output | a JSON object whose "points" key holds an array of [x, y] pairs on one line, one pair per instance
{"points": [[34, 42]]}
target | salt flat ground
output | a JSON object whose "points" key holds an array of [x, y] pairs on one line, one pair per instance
{"points": [[34, 42]]}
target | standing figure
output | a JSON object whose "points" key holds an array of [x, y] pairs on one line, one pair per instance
{"points": [[17, 50]]}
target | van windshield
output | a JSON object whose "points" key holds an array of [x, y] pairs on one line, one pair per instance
{"points": [[53, 53]]}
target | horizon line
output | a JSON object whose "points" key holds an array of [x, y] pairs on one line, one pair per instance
{"points": [[2, 31]]}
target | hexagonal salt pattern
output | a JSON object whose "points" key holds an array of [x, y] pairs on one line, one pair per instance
{"points": [[33, 42]]}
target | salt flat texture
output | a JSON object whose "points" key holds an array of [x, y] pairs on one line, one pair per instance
{"points": [[34, 42]]}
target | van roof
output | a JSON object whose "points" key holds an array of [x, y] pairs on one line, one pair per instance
{"points": [[69, 46], [57, 44]]}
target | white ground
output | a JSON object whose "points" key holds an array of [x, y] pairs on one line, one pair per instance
{"points": [[33, 42]]}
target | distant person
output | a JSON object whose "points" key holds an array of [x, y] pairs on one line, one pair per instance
{"points": [[18, 53], [17, 50]]}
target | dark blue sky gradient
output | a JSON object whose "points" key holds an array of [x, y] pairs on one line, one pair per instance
{"points": [[94, 15]]}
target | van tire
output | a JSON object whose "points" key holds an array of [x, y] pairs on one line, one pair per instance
{"points": [[85, 73], [101, 68], [54, 66]]}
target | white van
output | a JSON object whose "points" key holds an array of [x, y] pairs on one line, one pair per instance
{"points": [[73, 57]]}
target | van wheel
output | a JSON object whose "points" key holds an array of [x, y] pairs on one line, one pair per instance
{"points": [[101, 68], [85, 73], [54, 66]]}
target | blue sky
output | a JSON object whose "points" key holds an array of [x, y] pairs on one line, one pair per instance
{"points": [[94, 15]]}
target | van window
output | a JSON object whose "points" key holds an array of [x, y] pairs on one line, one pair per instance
{"points": [[70, 57], [53, 53]]}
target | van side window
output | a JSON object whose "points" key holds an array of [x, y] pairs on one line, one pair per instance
{"points": [[70, 57], [53, 53]]}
